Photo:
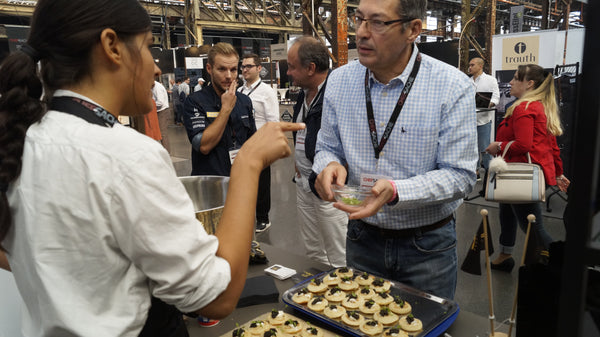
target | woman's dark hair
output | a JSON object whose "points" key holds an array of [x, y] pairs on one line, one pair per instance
{"points": [[532, 72], [61, 37]]}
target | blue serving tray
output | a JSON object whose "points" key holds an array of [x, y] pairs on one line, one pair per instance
{"points": [[436, 313]]}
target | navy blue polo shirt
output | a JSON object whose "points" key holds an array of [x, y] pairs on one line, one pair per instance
{"points": [[200, 110]]}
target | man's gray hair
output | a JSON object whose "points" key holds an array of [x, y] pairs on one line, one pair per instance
{"points": [[416, 9], [311, 50]]}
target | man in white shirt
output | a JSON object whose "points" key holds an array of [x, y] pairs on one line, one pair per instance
{"points": [[198, 86], [266, 109], [322, 226], [484, 83], [161, 98]]}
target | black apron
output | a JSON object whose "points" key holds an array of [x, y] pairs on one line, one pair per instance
{"points": [[163, 320]]}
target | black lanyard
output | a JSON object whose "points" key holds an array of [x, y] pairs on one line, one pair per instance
{"points": [[251, 91], [81, 108], [390, 125]]}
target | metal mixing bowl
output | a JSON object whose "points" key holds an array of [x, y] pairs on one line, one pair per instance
{"points": [[208, 195]]}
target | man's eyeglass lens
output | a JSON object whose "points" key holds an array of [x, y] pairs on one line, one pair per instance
{"points": [[375, 25], [248, 66]]}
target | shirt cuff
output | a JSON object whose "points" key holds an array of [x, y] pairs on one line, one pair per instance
{"points": [[196, 141], [394, 199], [322, 159], [216, 278]]}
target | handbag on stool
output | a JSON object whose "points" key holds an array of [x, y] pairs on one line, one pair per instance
{"points": [[515, 183]]}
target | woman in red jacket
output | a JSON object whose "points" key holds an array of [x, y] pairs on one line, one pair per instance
{"points": [[532, 122]]}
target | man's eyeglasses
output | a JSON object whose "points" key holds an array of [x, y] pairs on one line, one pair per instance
{"points": [[248, 66], [377, 26]]}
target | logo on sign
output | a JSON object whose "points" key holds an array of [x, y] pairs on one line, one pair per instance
{"points": [[520, 48]]}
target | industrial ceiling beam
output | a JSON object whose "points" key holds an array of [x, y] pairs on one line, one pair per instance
{"points": [[490, 30], [467, 40], [285, 16], [170, 9], [16, 10], [463, 42], [316, 33], [339, 29], [530, 5], [231, 25]]}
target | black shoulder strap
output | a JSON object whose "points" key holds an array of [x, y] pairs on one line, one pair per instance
{"points": [[88, 111]]}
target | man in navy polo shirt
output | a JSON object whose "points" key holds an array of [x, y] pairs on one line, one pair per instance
{"points": [[218, 119]]}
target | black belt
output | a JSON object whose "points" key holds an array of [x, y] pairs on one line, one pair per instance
{"points": [[409, 232]]}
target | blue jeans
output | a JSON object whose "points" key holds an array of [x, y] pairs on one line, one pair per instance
{"points": [[426, 261], [511, 214], [483, 141]]}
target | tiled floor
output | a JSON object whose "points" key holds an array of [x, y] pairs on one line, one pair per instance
{"points": [[471, 293]]}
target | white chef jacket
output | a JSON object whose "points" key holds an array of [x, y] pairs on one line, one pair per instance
{"points": [[101, 223], [264, 102], [486, 83]]}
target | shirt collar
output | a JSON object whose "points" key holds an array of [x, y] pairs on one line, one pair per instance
{"points": [[476, 79], [248, 88], [318, 88], [314, 98], [407, 70]]}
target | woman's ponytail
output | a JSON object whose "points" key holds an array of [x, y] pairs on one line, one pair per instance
{"points": [[20, 106]]}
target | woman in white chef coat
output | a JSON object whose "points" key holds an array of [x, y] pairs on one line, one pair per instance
{"points": [[96, 227]]}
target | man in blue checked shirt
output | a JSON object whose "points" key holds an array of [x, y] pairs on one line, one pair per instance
{"points": [[403, 124]]}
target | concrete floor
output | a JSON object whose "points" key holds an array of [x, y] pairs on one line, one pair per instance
{"points": [[471, 292]]}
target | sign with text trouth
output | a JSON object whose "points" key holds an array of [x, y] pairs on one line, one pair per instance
{"points": [[278, 51], [553, 44], [520, 50], [516, 18]]}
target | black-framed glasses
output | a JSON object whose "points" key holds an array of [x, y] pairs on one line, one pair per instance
{"points": [[247, 66], [377, 26]]}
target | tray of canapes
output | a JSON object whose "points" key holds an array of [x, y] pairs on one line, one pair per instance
{"points": [[278, 323], [363, 305]]}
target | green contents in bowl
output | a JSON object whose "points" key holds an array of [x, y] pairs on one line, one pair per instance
{"points": [[351, 201], [351, 195]]}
